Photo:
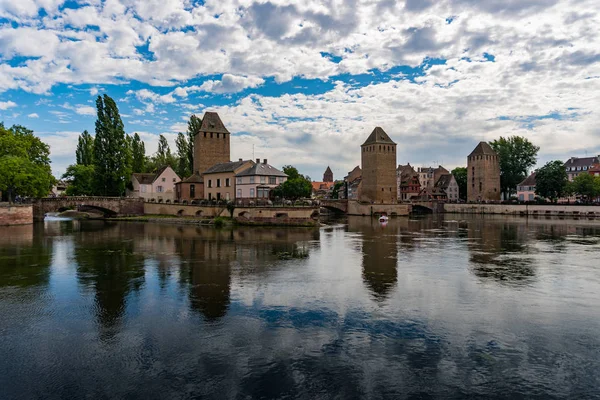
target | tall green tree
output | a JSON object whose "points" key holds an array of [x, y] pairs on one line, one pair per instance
{"points": [[81, 180], [138, 150], [517, 156], [163, 155], [551, 181], [110, 150], [460, 174], [183, 168], [194, 125], [585, 185], [24, 164], [84, 153]]}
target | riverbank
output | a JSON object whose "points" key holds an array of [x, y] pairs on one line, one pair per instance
{"points": [[218, 221], [558, 210]]}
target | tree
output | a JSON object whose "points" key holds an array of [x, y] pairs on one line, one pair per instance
{"points": [[551, 181], [296, 186], [336, 187], [183, 165], [110, 150], [24, 163], [194, 125], [85, 149], [460, 174], [585, 185], [163, 155], [138, 150], [81, 180], [517, 156]]}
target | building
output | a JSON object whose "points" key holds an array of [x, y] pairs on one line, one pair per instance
{"points": [[595, 170], [378, 156], [59, 189], [322, 190], [447, 183], [428, 176], [211, 143], [191, 188], [159, 186], [328, 175], [431, 193], [257, 181], [483, 174], [575, 166], [219, 180], [526, 189], [408, 182]]}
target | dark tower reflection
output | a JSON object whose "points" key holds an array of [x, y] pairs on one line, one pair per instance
{"points": [[498, 251], [379, 266], [109, 266]]}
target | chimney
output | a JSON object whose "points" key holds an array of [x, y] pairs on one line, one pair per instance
{"points": [[258, 160], [265, 161]]}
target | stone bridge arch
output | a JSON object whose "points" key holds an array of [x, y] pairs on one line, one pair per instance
{"points": [[109, 206], [337, 206]]}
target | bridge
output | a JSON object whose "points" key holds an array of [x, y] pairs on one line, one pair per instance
{"points": [[108, 206], [353, 207]]}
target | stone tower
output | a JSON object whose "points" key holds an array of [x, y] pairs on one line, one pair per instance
{"points": [[328, 175], [483, 174], [211, 144], [378, 155]]}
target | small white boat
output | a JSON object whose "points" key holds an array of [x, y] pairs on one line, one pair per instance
{"points": [[383, 218]]}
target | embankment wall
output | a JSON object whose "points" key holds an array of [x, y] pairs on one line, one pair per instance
{"points": [[526, 210], [11, 214]]}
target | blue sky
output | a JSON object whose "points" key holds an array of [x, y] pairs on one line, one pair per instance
{"points": [[305, 83]]}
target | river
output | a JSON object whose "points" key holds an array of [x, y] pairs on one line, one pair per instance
{"points": [[438, 307]]}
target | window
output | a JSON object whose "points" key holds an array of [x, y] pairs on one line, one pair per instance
{"points": [[143, 188], [238, 181], [209, 183], [252, 192], [272, 180], [531, 196], [192, 191], [585, 168], [251, 179], [227, 196], [211, 135], [263, 179], [239, 193], [159, 189], [217, 135], [227, 184], [218, 182], [174, 179], [204, 134], [164, 179]]}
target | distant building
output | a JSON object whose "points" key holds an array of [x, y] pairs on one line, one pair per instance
{"points": [[408, 182], [257, 181], [219, 179], [211, 144], [595, 170], [354, 189], [328, 175], [322, 190], [157, 186], [378, 155], [59, 189], [575, 166], [428, 176], [349, 189], [483, 174], [447, 183], [526, 189], [191, 188], [431, 193]]}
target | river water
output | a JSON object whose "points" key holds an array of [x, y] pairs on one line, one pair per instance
{"points": [[440, 307]]}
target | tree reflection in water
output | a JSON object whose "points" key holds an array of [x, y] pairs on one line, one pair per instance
{"points": [[25, 256], [109, 266]]}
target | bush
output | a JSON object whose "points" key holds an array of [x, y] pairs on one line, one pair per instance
{"points": [[219, 222]]}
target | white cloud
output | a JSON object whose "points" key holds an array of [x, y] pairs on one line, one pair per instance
{"points": [[230, 84], [85, 110], [94, 91], [33, 115], [5, 105]]}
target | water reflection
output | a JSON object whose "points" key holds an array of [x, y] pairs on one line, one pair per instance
{"points": [[444, 307]]}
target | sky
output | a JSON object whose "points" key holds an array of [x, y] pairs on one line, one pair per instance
{"points": [[304, 83]]}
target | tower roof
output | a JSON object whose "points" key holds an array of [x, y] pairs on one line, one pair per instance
{"points": [[328, 170], [483, 148], [212, 123], [378, 136]]}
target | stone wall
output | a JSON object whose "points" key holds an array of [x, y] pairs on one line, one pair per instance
{"points": [[11, 214], [356, 208], [121, 206], [526, 210], [183, 210], [483, 178]]}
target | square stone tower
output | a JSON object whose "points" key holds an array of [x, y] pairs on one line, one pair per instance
{"points": [[211, 144], [483, 174], [328, 175], [378, 155]]}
